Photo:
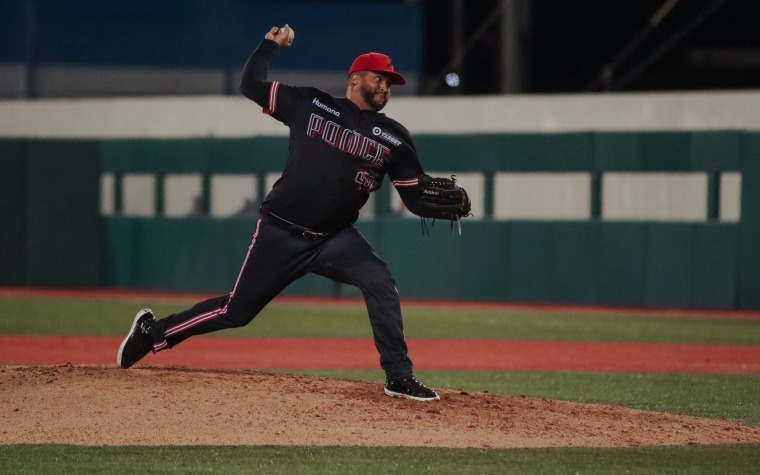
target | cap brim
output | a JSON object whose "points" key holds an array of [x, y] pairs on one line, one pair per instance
{"points": [[396, 78]]}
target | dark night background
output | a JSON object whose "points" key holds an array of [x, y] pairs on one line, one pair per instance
{"points": [[507, 46], [564, 45]]}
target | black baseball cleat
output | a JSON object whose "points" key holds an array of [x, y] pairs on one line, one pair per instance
{"points": [[138, 342], [410, 388]]}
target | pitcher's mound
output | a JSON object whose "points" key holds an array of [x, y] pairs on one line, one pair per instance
{"points": [[100, 405]]}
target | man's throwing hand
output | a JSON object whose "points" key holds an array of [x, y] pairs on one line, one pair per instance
{"points": [[282, 36]]}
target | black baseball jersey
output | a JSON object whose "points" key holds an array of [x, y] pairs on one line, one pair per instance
{"points": [[338, 153]]}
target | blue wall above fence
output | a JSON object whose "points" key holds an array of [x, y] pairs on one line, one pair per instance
{"points": [[205, 33]]}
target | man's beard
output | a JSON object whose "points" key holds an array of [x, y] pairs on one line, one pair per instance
{"points": [[368, 94]]}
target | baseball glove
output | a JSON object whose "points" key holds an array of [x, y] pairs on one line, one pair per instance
{"points": [[442, 198]]}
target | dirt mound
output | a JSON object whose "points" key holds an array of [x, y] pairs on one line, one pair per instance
{"points": [[102, 405]]}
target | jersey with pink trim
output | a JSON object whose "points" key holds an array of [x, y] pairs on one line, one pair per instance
{"points": [[338, 153]]}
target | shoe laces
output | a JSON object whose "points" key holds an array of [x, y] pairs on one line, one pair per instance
{"points": [[412, 381], [145, 326]]}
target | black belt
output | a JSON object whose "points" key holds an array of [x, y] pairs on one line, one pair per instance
{"points": [[292, 228]]}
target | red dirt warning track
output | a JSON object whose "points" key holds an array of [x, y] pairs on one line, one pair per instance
{"points": [[359, 354]]}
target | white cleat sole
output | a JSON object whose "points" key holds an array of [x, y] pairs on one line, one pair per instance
{"points": [[414, 398]]}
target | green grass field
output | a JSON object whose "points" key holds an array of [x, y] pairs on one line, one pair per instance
{"points": [[730, 397]]}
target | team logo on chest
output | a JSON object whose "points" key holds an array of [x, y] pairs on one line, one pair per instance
{"points": [[386, 136], [346, 140]]}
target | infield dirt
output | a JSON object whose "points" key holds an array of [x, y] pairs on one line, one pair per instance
{"points": [[105, 405]]}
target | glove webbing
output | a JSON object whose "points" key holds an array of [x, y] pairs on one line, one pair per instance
{"points": [[426, 231]]}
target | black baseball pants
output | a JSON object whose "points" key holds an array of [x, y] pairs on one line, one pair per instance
{"points": [[276, 258]]}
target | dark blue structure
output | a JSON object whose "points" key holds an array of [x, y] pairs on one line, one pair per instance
{"points": [[214, 34]]}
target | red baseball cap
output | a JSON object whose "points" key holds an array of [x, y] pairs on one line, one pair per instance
{"points": [[378, 63]]}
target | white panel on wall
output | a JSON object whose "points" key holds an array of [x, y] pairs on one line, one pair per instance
{"points": [[233, 195], [562, 196], [182, 194], [139, 194], [730, 197], [654, 196]]}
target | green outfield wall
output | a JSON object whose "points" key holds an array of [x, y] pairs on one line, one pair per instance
{"points": [[55, 233], [51, 232]]}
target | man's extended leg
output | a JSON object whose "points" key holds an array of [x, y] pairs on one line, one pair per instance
{"points": [[275, 258]]}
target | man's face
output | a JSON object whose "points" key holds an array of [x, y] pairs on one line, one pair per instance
{"points": [[375, 89]]}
